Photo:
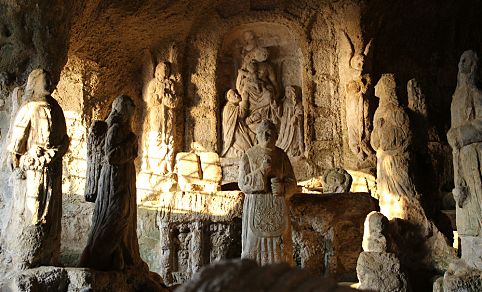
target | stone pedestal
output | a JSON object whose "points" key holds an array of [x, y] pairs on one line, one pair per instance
{"points": [[380, 270]]}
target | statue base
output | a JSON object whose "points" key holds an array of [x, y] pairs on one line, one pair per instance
{"points": [[49, 278]]}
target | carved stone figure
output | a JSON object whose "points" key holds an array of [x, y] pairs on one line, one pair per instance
{"points": [[357, 103], [391, 138], [162, 119], [465, 137], [377, 269], [37, 143], [336, 180], [112, 243], [267, 179], [290, 114], [236, 138], [95, 154], [258, 86]]}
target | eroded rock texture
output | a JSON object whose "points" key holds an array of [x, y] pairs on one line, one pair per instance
{"points": [[246, 275]]}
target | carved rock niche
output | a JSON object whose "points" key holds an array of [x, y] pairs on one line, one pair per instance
{"points": [[259, 76]]}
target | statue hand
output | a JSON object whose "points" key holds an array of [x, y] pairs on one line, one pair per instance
{"points": [[460, 195], [277, 187]]}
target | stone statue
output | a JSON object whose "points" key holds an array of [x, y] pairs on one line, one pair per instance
{"points": [[112, 243], [336, 180], [267, 179], [357, 105], [377, 269], [465, 137], [162, 119], [257, 84], [95, 154], [37, 143], [290, 114], [391, 138], [236, 138]]}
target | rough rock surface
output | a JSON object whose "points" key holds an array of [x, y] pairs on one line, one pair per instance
{"points": [[46, 278], [327, 239], [380, 271], [461, 277], [246, 275]]}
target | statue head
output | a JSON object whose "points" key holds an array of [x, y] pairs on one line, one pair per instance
{"points": [[249, 40], [386, 89], [233, 96], [468, 65], [357, 62], [122, 108], [163, 70], [267, 134], [261, 54], [39, 84], [290, 93]]}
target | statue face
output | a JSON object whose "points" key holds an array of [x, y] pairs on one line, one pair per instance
{"points": [[42, 85], [266, 134], [291, 94], [357, 62], [261, 55], [466, 63], [233, 97], [162, 71]]}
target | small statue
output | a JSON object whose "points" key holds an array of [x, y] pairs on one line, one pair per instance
{"points": [[267, 179], [236, 138], [377, 268], [465, 137], [291, 138], [112, 243], [357, 103], [37, 144], [162, 92], [336, 180]]}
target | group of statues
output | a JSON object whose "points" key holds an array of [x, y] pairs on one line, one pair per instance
{"points": [[37, 143], [257, 98]]}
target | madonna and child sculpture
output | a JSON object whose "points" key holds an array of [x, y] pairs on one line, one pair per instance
{"points": [[267, 179]]}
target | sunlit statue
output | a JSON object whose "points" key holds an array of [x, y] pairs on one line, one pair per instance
{"points": [[37, 143], [258, 87], [236, 138], [162, 92], [465, 137], [290, 114], [112, 243], [391, 138], [267, 179]]}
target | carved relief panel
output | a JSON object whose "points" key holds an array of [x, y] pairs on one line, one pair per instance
{"points": [[259, 77]]}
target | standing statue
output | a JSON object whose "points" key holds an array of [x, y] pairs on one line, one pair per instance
{"points": [[391, 139], [290, 114], [162, 119], [465, 137], [236, 138], [112, 243], [357, 104], [37, 144], [267, 179]]}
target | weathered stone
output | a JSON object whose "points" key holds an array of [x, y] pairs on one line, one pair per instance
{"points": [[246, 275], [336, 180], [189, 172], [37, 143], [380, 271], [328, 239], [465, 137], [267, 179]]}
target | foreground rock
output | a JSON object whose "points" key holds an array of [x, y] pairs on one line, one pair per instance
{"points": [[246, 275], [79, 279]]}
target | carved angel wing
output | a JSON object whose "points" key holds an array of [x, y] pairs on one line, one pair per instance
{"points": [[95, 154], [368, 48], [352, 47]]}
